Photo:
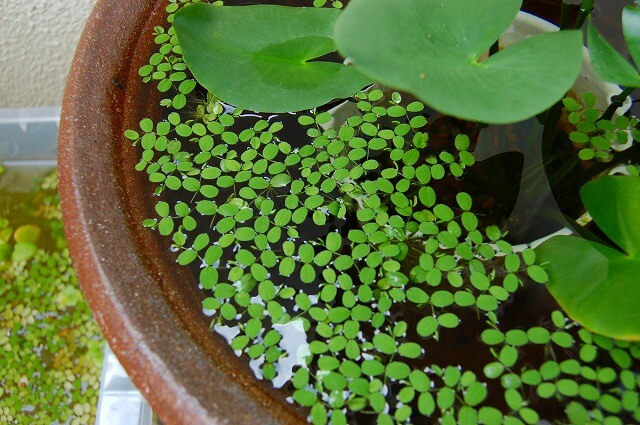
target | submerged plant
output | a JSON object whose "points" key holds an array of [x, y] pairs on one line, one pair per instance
{"points": [[331, 248], [597, 136]]}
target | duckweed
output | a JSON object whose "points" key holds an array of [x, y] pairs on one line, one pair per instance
{"points": [[50, 346]]}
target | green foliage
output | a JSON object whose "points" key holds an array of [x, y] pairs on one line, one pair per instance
{"points": [[275, 56], [251, 193], [592, 375], [631, 30], [633, 170], [607, 62], [606, 301], [252, 51], [335, 228], [595, 136], [51, 349], [334, 3], [436, 53]]}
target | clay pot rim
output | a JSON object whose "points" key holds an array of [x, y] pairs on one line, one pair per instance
{"points": [[151, 324]]}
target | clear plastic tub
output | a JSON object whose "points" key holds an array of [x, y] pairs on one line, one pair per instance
{"points": [[28, 145], [120, 402], [28, 150]]}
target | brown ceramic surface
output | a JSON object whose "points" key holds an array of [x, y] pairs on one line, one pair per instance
{"points": [[148, 309]]}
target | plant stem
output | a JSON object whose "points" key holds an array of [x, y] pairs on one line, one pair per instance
{"points": [[585, 9], [616, 102]]}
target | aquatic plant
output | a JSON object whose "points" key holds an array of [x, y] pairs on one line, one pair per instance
{"points": [[591, 280], [607, 62], [51, 347], [274, 48], [435, 54], [333, 259], [603, 298]]}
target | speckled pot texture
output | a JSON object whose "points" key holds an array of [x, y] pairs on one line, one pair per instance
{"points": [[148, 308]]}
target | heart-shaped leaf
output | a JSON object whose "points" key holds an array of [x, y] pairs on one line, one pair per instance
{"points": [[595, 284], [433, 49], [259, 57]]}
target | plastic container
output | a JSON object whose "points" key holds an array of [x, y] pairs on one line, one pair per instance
{"points": [[120, 402], [28, 145], [28, 150]]}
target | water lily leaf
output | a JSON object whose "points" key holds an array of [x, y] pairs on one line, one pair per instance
{"points": [[606, 62], [23, 251], [595, 284], [433, 49], [261, 57], [27, 233]]}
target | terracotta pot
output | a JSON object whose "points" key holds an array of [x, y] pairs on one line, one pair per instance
{"points": [[149, 309]]}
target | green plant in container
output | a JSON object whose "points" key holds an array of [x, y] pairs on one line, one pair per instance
{"points": [[593, 281], [339, 251]]}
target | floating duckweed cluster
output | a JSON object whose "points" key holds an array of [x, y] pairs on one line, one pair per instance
{"points": [[596, 136], [50, 346], [335, 225]]}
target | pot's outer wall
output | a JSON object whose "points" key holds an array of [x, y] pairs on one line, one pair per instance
{"points": [[148, 308]]}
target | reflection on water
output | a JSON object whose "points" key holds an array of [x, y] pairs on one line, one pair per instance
{"points": [[536, 212]]}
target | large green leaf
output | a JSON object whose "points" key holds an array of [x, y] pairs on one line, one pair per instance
{"points": [[259, 57], [597, 285], [631, 29], [606, 62], [432, 48]]}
